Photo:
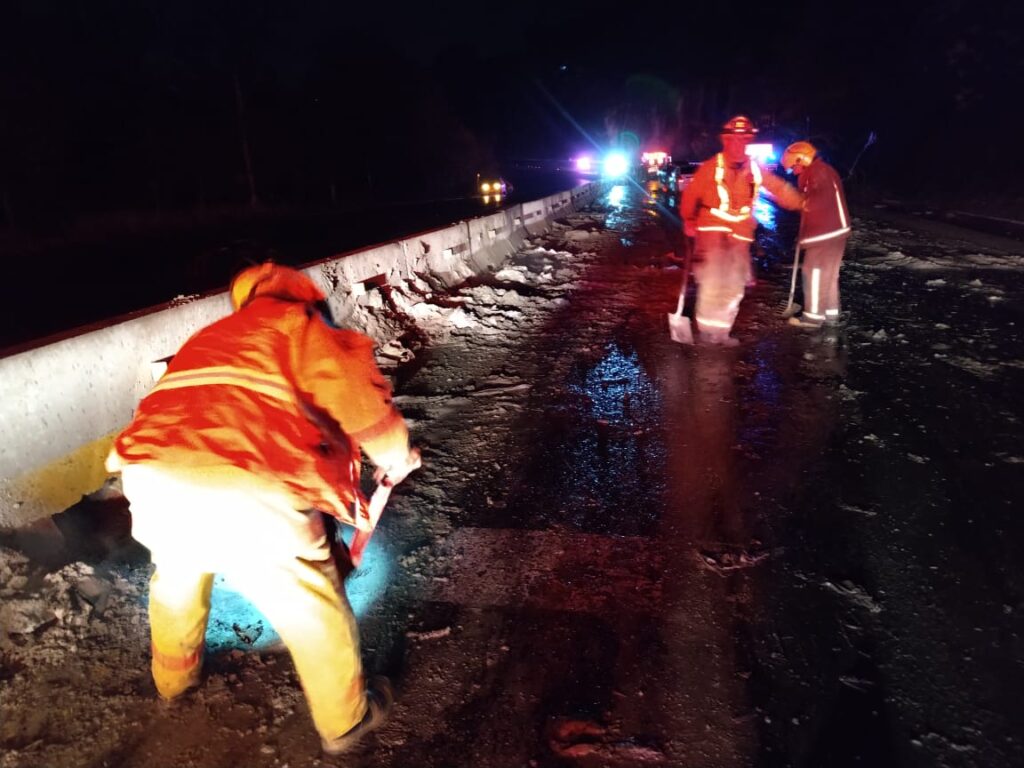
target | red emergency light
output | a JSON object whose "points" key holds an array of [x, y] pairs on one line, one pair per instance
{"points": [[655, 158]]}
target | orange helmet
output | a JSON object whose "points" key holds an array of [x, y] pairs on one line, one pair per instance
{"points": [[798, 153], [269, 279], [741, 125]]}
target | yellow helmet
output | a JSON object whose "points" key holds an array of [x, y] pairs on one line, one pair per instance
{"points": [[800, 152], [245, 283], [269, 279]]}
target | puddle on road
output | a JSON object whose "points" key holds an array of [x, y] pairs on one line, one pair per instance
{"points": [[596, 452]]}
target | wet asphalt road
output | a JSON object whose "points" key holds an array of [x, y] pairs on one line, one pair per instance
{"points": [[621, 551], [796, 552]]}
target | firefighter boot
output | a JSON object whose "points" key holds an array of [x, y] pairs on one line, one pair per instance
{"points": [[379, 698]]}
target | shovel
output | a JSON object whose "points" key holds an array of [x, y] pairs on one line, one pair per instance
{"points": [[375, 509], [679, 327], [790, 309]]}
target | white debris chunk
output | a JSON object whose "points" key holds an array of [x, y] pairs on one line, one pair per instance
{"points": [[435, 634], [395, 351], [511, 276], [21, 617]]}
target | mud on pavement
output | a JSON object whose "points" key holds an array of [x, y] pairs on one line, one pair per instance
{"points": [[620, 551]]}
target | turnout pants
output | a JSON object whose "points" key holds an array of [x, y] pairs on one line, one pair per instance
{"points": [[227, 522], [722, 270], [821, 280]]}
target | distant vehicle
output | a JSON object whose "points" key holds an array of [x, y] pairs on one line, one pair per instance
{"points": [[616, 165], [587, 165], [493, 188], [675, 176], [655, 162], [764, 154]]}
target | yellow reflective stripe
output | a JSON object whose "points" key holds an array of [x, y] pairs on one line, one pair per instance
{"points": [[379, 428], [826, 236], [755, 170], [276, 387], [831, 312], [728, 216], [815, 289], [722, 211], [713, 323], [741, 237], [714, 229], [723, 193], [839, 205]]}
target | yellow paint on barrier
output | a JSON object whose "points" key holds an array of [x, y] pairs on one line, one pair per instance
{"points": [[59, 484]]}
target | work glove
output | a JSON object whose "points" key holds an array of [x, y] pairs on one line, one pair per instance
{"points": [[393, 475]]}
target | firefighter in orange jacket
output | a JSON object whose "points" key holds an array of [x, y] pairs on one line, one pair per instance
{"points": [[824, 230], [253, 432], [718, 210]]}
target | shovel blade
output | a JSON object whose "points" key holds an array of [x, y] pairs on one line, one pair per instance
{"points": [[789, 310], [679, 329]]}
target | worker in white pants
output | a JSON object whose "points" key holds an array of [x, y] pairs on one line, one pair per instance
{"points": [[721, 267], [718, 210]]}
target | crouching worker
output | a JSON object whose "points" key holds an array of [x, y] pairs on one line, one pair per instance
{"points": [[256, 430]]}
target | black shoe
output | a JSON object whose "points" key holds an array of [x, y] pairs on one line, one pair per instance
{"points": [[379, 699]]}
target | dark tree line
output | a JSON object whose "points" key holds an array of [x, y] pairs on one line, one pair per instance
{"points": [[937, 82], [154, 107]]}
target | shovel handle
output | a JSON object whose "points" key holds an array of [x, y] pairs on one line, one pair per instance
{"points": [[792, 282], [687, 259], [376, 508], [378, 501]]}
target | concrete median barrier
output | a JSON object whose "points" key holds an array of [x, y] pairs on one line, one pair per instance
{"points": [[61, 403]]}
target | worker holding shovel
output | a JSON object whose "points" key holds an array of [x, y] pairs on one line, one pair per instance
{"points": [[718, 210], [824, 230], [250, 437]]}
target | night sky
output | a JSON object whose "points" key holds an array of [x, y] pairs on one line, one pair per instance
{"points": [[118, 105]]}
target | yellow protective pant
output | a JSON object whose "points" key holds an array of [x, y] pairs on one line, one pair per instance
{"points": [[196, 525]]}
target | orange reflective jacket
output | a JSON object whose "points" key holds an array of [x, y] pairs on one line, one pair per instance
{"points": [[825, 215], [720, 198], [277, 392]]}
